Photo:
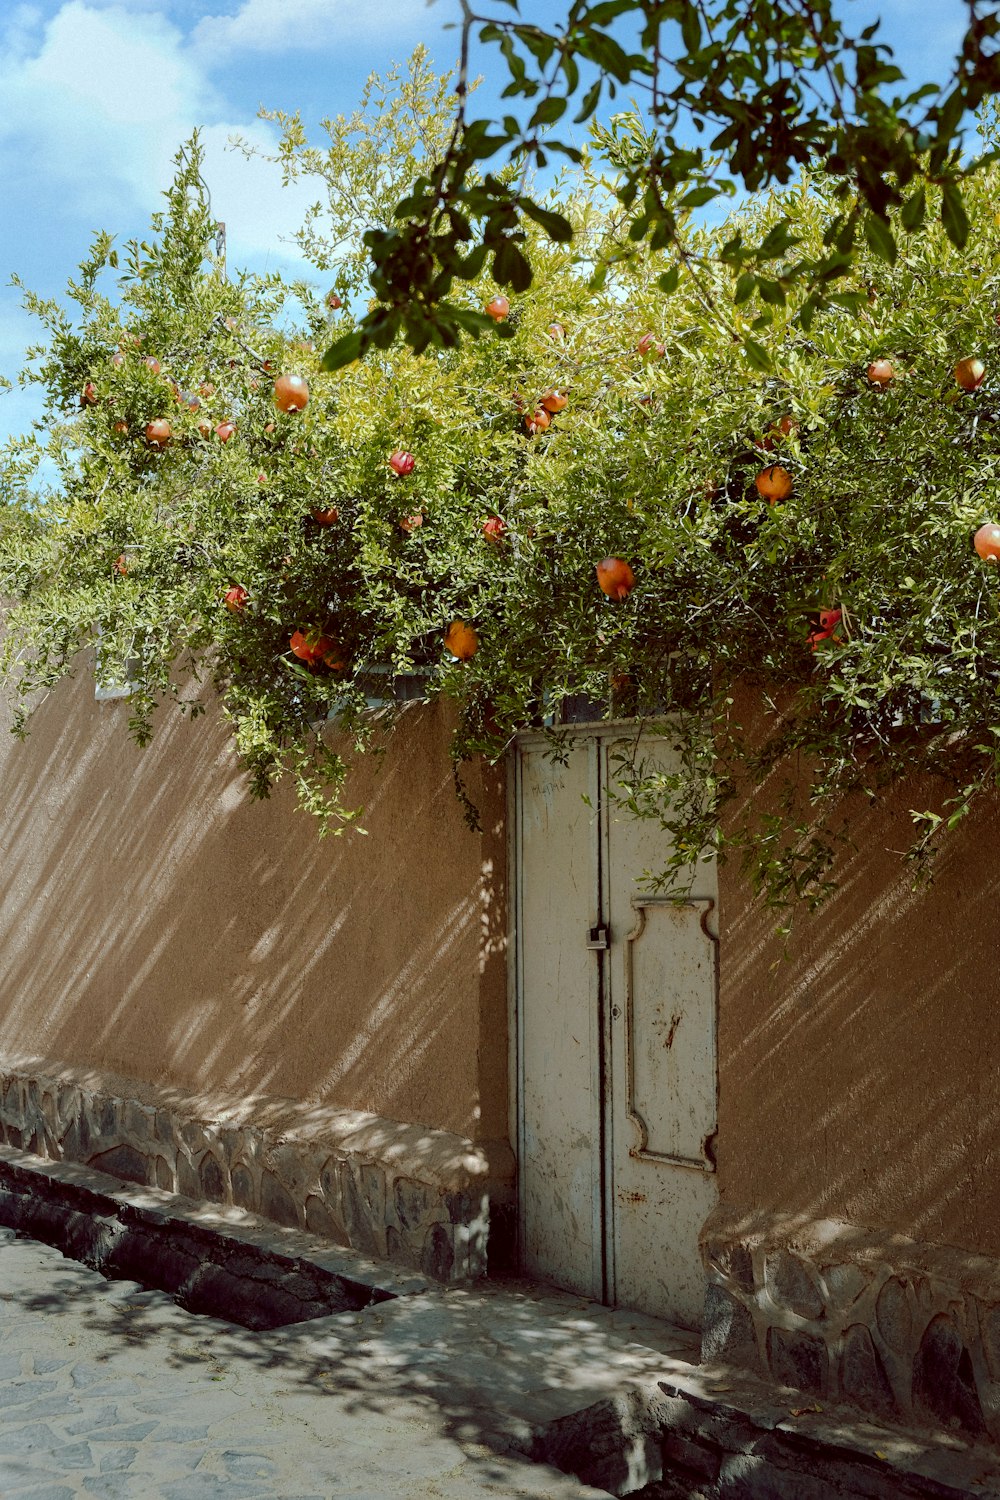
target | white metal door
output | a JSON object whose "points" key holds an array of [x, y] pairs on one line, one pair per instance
{"points": [[559, 1031], [616, 1001]]}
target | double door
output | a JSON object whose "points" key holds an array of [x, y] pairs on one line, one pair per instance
{"points": [[615, 998]]}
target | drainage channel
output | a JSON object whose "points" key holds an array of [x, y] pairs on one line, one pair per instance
{"points": [[243, 1270]]}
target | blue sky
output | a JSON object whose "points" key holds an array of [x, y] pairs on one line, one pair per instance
{"points": [[98, 95]]}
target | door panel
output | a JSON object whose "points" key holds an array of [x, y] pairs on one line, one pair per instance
{"points": [[669, 1021], [560, 1167], [617, 1048], [662, 986]]}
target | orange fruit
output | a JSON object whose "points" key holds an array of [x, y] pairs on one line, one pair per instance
{"points": [[461, 640], [774, 483]]}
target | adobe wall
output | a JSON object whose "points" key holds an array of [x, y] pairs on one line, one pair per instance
{"points": [[167, 941], [859, 1127], [858, 1067]]}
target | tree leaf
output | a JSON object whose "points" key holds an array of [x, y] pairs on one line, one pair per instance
{"points": [[953, 215], [556, 225], [344, 352], [697, 197], [591, 99], [771, 292], [880, 237], [912, 213], [548, 112], [511, 267], [745, 288], [757, 356]]}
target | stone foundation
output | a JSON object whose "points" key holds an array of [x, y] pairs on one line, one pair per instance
{"points": [[908, 1331], [422, 1198]]}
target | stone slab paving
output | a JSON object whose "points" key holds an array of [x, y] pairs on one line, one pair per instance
{"points": [[107, 1389], [112, 1391]]}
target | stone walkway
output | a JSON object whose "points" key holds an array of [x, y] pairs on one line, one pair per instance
{"points": [[112, 1391]]}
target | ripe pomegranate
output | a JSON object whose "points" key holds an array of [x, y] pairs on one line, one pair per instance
{"points": [[309, 646], [829, 621], [401, 462], [291, 393], [121, 427], [88, 396], [557, 331], [554, 401], [224, 431], [158, 433], [410, 523], [880, 372], [537, 422], [153, 364], [118, 359], [493, 529], [774, 483], [650, 344], [497, 308], [781, 429], [987, 542], [970, 373], [615, 577], [333, 301], [235, 598], [121, 565], [461, 640], [327, 516]]}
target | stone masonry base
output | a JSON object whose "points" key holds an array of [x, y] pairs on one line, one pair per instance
{"points": [[906, 1330], [419, 1197]]}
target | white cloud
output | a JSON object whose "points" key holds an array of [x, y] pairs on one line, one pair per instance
{"points": [[21, 405], [101, 103], [23, 23], [96, 108], [247, 194], [274, 26]]}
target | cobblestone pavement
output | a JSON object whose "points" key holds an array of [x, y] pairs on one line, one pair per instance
{"points": [[113, 1391]]}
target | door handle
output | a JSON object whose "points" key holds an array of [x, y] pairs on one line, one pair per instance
{"points": [[598, 937]]}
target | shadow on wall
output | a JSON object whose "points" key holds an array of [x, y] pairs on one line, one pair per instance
{"points": [[157, 924], [858, 1075]]}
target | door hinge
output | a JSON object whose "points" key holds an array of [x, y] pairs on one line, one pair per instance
{"points": [[598, 937]]}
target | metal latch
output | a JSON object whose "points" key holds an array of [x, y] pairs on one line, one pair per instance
{"points": [[598, 937]]}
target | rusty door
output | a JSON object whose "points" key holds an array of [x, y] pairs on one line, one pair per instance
{"points": [[615, 1006]]}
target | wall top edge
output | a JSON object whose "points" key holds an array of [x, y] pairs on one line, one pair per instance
{"points": [[837, 1241]]}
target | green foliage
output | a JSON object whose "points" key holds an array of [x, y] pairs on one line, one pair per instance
{"points": [[679, 373], [735, 96]]}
